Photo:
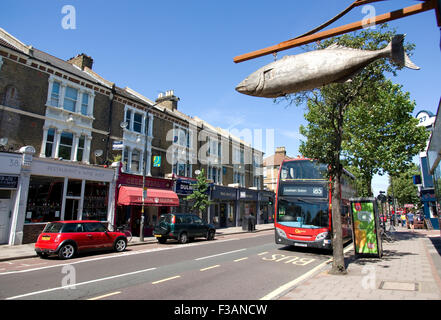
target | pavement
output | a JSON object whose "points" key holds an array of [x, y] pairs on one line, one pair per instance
{"points": [[410, 269]]}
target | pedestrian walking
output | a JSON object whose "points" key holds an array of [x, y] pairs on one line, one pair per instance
{"points": [[410, 220], [403, 220]]}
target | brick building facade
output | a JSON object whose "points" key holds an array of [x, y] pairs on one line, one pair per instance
{"points": [[76, 120]]}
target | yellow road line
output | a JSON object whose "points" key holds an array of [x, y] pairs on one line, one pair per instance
{"points": [[105, 296], [163, 280], [212, 267], [237, 260]]}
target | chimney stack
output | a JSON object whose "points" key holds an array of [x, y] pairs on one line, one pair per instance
{"points": [[168, 100], [281, 150], [82, 61]]}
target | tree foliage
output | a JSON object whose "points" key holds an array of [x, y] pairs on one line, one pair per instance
{"points": [[365, 123], [200, 194], [401, 187]]}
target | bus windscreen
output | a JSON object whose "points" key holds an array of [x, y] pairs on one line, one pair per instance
{"points": [[298, 213], [303, 170]]}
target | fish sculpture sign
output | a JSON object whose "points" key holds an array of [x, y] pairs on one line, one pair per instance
{"points": [[318, 68]]}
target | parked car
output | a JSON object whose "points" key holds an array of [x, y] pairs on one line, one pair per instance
{"points": [[67, 238], [182, 227]]}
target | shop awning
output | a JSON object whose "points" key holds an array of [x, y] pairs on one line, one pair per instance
{"points": [[155, 197]]}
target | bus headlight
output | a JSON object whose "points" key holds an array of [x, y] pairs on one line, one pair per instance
{"points": [[281, 233], [321, 236]]}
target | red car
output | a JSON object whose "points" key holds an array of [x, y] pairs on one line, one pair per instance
{"points": [[67, 238]]}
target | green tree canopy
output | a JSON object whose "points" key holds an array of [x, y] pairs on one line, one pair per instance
{"points": [[404, 191], [200, 194], [343, 127]]}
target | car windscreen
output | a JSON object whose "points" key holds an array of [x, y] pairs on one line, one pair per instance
{"points": [[53, 227], [299, 213]]}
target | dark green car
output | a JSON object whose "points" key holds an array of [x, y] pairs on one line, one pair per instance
{"points": [[182, 227]]}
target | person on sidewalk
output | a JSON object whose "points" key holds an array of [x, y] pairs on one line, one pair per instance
{"points": [[410, 220], [403, 220]]}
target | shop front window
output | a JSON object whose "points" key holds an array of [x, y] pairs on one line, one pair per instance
{"points": [[44, 199], [95, 201], [74, 188]]}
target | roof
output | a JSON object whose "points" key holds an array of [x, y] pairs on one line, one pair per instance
{"points": [[9, 41], [276, 159]]}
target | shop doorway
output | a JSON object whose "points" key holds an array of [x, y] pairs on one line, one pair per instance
{"points": [[71, 209], [5, 217], [223, 215]]}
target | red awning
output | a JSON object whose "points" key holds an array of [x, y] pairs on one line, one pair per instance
{"points": [[155, 197]]}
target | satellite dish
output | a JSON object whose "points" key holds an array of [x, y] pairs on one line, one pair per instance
{"points": [[98, 153]]}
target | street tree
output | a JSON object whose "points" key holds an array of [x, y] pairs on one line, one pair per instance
{"points": [[328, 112], [200, 194], [404, 191], [382, 135]]}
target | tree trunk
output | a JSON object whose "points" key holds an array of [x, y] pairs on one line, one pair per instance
{"points": [[338, 264]]}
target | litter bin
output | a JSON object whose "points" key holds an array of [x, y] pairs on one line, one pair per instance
{"points": [[245, 222]]}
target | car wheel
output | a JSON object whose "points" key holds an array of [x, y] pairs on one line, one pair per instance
{"points": [[210, 234], [162, 240], [120, 245], [66, 251], [183, 238]]}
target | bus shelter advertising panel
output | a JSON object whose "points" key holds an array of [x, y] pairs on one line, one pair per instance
{"points": [[367, 240]]}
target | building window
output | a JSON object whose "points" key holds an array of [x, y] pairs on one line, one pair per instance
{"points": [[85, 104], [80, 150], [70, 99], [239, 178], [181, 164], [181, 136], [137, 122], [126, 159], [128, 118], [45, 197], [55, 94], [65, 148], [50, 142], [214, 173], [135, 161]]}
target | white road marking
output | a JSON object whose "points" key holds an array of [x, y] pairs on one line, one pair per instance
{"points": [[79, 284], [116, 255], [219, 254]]}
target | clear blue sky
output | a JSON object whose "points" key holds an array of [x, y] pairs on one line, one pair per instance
{"points": [[188, 46]]}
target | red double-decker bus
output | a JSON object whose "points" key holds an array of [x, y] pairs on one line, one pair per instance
{"points": [[303, 204]]}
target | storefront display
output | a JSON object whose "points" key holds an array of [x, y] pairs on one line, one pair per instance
{"points": [[159, 199], [95, 201], [223, 208], [44, 199]]}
